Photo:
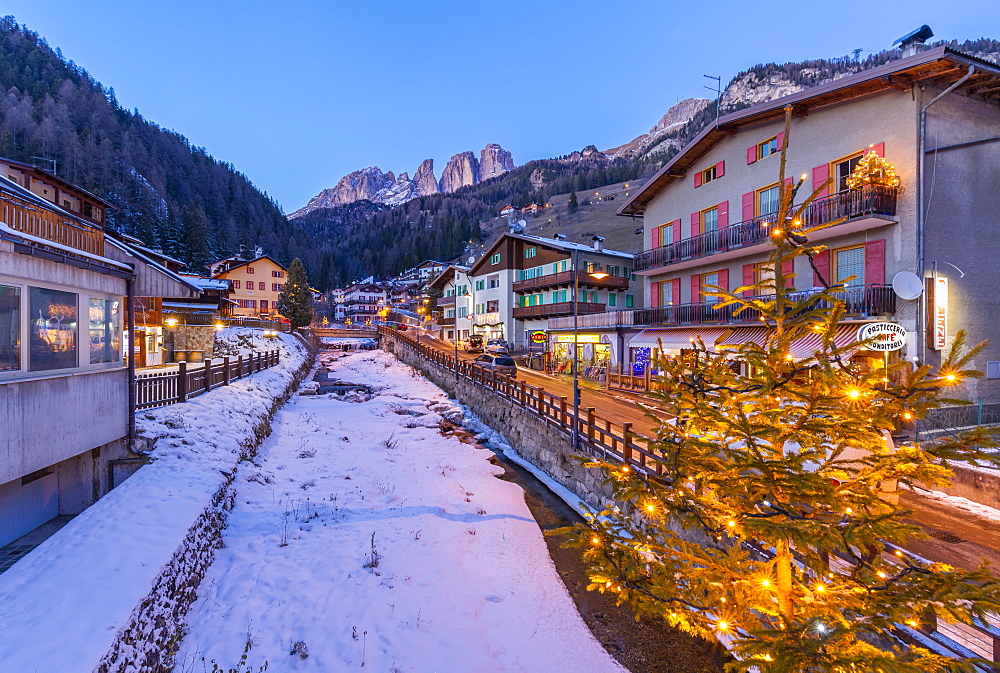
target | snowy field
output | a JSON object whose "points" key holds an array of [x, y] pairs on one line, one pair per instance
{"points": [[363, 538]]}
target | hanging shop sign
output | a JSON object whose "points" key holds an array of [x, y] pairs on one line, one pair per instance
{"points": [[583, 339], [539, 337], [887, 336], [937, 301]]}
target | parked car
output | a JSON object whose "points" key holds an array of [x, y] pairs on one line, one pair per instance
{"points": [[501, 364], [497, 347], [474, 344]]}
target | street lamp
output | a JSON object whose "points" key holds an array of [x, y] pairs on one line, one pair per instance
{"points": [[597, 274]]}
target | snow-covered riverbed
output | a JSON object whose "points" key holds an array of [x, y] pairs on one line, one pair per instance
{"points": [[365, 538]]}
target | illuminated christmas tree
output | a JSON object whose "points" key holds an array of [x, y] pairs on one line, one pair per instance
{"points": [[769, 522], [872, 170]]}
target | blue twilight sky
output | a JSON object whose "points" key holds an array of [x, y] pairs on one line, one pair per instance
{"points": [[296, 94]]}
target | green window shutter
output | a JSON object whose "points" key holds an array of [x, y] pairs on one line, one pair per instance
{"points": [[628, 301]]}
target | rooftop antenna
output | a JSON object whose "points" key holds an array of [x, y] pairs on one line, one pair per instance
{"points": [[718, 95], [51, 161], [857, 54]]}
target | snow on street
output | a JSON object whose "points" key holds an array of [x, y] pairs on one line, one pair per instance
{"points": [[365, 538]]}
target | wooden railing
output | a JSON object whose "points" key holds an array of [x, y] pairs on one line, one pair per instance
{"points": [[559, 308], [566, 278], [616, 442], [29, 218], [159, 389], [852, 203]]}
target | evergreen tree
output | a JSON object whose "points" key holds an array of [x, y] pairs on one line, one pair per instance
{"points": [[572, 204], [295, 300], [767, 519]]}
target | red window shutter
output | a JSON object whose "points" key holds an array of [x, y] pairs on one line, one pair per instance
{"points": [[822, 262], [723, 214], [820, 175], [880, 150], [748, 206], [724, 279], [789, 182], [695, 224], [788, 267], [749, 276], [695, 289], [720, 169], [657, 234], [781, 140], [697, 179], [677, 230], [676, 296], [875, 262], [654, 289], [751, 154]]}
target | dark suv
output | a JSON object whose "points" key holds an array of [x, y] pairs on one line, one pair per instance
{"points": [[501, 364]]}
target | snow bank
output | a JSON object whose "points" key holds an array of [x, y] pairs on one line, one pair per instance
{"points": [[363, 537], [119, 574]]}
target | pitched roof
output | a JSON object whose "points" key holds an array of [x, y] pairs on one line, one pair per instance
{"points": [[248, 262], [939, 66]]}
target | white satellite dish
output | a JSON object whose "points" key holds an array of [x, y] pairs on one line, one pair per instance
{"points": [[907, 285], [471, 260]]}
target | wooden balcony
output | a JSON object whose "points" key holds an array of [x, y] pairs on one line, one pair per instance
{"points": [[872, 205], [29, 218], [445, 322], [446, 301], [566, 278], [559, 309], [866, 301]]}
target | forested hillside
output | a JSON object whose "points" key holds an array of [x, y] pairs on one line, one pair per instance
{"points": [[171, 194]]}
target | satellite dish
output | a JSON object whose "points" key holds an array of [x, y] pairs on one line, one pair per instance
{"points": [[471, 260], [907, 285]]}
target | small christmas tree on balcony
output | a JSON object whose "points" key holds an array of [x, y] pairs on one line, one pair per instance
{"points": [[768, 519], [873, 170]]}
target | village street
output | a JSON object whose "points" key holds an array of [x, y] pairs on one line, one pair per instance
{"points": [[362, 536]]}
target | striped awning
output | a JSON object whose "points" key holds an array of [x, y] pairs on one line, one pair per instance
{"points": [[805, 347], [742, 335], [677, 338], [801, 348]]}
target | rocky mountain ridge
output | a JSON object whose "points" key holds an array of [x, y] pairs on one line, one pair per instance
{"points": [[371, 184]]}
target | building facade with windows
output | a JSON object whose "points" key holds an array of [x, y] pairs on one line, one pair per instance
{"points": [[709, 213], [523, 282], [453, 307], [363, 302], [254, 285], [65, 287]]}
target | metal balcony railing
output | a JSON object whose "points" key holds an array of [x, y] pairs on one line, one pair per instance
{"points": [[861, 301], [850, 204]]}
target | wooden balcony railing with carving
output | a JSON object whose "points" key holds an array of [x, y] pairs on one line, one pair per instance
{"points": [[29, 218], [566, 278], [557, 309]]}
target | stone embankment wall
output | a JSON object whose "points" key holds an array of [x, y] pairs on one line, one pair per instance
{"points": [[547, 447]]}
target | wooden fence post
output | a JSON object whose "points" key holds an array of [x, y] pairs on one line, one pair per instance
{"points": [[226, 371], [647, 377], [239, 366], [208, 374], [590, 423], [182, 382], [626, 442], [562, 410]]}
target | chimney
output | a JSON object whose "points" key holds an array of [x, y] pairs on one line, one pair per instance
{"points": [[913, 43], [598, 243]]}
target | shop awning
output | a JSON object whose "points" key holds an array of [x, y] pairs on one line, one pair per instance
{"points": [[801, 348], [742, 335], [805, 347], [677, 338]]}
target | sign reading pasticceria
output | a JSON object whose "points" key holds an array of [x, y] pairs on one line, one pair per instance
{"points": [[886, 336]]}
